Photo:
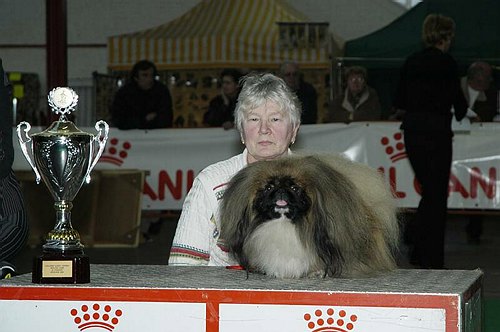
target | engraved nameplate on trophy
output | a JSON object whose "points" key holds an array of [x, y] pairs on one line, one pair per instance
{"points": [[62, 156]]}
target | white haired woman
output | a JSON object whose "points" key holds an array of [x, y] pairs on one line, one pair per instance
{"points": [[267, 116]]}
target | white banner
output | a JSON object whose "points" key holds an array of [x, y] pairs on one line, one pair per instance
{"points": [[173, 157]]}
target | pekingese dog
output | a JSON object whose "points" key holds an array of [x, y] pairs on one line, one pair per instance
{"points": [[310, 215]]}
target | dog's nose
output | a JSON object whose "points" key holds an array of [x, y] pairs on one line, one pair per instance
{"points": [[281, 202]]}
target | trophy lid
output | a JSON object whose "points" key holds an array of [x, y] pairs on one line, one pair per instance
{"points": [[62, 128], [62, 101]]}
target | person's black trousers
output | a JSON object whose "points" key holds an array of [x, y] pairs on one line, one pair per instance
{"points": [[430, 155]]}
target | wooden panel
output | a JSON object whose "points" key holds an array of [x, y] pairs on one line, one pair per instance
{"points": [[107, 211], [119, 209]]}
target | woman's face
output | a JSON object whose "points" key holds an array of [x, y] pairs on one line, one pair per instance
{"points": [[267, 132], [356, 83]]}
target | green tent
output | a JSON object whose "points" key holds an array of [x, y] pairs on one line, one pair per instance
{"points": [[383, 52]]}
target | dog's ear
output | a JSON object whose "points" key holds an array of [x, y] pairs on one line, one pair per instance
{"points": [[238, 240], [321, 221], [336, 216], [236, 213]]}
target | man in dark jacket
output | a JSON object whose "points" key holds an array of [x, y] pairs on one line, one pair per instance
{"points": [[481, 97], [143, 102], [221, 107], [480, 94]]}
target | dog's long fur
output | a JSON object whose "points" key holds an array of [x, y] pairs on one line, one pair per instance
{"points": [[307, 215]]}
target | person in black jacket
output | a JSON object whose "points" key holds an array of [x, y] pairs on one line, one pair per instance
{"points": [[13, 219], [429, 86], [221, 108], [143, 102]]}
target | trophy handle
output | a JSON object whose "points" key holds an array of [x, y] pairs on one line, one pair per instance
{"points": [[24, 140], [101, 138]]}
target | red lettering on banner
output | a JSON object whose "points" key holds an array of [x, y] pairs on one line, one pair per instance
{"points": [[393, 182], [477, 179], [164, 180], [488, 184], [456, 186], [147, 190]]}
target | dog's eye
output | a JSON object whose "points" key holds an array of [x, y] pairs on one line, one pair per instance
{"points": [[295, 188], [268, 187]]}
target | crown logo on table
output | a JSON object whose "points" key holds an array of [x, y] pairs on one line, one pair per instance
{"points": [[330, 320], [97, 316]]}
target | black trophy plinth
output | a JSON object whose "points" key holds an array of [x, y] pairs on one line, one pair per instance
{"points": [[61, 267]]}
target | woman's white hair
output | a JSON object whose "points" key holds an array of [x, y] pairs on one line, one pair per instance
{"points": [[259, 88]]}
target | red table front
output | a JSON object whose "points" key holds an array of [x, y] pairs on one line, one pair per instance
{"points": [[165, 298]]}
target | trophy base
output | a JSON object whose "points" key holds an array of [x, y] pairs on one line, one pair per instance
{"points": [[61, 267]]}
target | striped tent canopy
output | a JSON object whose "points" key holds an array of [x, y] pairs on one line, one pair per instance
{"points": [[227, 33]]}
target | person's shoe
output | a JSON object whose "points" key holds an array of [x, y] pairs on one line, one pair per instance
{"points": [[7, 271]]}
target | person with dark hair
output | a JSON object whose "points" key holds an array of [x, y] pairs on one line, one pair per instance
{"points": [[481, 97], [290, 73], [13, 219], [221, 108], [429, 86], [143, 102], [359, 102]]}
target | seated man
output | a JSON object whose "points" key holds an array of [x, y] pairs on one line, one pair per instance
{"points": [[221, 108], [479, 93], [143, 102], [481, 97], [358, 102], [290, 73]]}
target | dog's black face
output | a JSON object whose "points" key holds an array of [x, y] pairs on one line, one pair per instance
{"points": [[281, 196]]}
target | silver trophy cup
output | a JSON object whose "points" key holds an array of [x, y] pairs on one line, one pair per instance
{"points": [[63, 157]]}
